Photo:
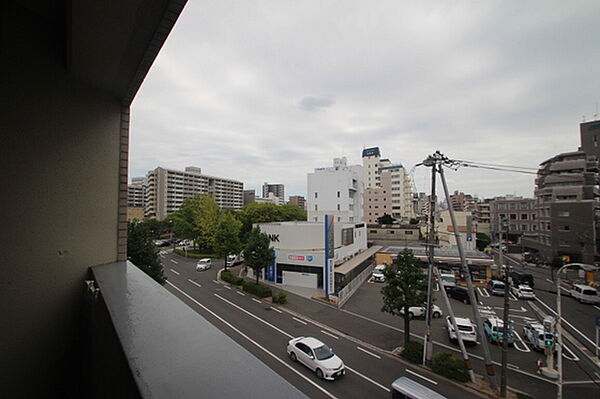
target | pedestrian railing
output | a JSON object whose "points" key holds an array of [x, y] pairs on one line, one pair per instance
{"points": [[345, 293]]}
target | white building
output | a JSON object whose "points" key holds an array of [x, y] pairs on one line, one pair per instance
{"points": [[300, 250], [272, 198], [337, 191], [401, 192], [167, 188]]}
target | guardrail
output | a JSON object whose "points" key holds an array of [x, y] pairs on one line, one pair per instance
{"points": [[345, 293]]}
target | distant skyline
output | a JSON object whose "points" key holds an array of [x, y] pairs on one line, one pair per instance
{"points": [[266, 91]]}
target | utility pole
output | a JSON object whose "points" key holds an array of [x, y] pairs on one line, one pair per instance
{"points": [[489, 366], [428, 344], [505, 330]]}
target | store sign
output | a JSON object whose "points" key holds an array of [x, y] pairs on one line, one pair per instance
{"points": [[297, 257], [328, 270]]}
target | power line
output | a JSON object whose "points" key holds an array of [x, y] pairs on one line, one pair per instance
{"points": [[494, 164]]}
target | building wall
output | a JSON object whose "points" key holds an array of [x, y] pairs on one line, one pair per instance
{"points": [[135, 213], [395, 233], [466, 228], [277, 189], [61, 147], [377, 201], [298, 200], [520, 215], [249, 197]]}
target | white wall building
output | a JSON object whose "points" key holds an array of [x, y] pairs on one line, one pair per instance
{"points": [[337, 191], [167, 188], [300, 250]]}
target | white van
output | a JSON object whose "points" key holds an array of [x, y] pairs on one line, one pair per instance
{"points": [[584, 293]]}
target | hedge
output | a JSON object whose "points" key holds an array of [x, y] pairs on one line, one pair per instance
{"points": [[280, 297], [193, 255], [413, 352], [445, 364], [230, 278], [261, 291]]}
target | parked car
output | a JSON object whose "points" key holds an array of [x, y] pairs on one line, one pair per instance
{"points": [[493, 328], [448, 279], [418, 311], [522, 291], [203, 264], [465, 328], [461, 293], [162, 243], [496, 287], [377, 274], [317, 356], [584, 293], [518, 278], [534, 334], [233, 260]]}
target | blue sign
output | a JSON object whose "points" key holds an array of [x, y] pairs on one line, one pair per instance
{"points": [[469, 238], [309, 258], [271, 272]]}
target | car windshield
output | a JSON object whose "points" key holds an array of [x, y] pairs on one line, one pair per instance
{"points": [[499, 286], [589, 292], [525, 289], [465, 328], [323, 352]]}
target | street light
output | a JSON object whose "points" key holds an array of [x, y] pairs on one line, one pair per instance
{"points": [[587, 268]]}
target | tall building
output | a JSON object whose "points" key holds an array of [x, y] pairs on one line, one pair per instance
{"points": [[135, 199], [519, 214], [298, 200], [378, 200], [482, 216], [277, 189], [249, 197], [460, 201], [167, 188], [336, 191]]}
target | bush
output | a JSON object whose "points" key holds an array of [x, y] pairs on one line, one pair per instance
{"points": [[449, 366], [261, 291], [193, 254], [280, 297], [413, 352], [230, 278]]}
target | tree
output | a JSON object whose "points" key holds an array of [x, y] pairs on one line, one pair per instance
{"points": [[385, 219], [206, 221], [142, 252], [291, 212], [227, 236], [258, 254], [405, 287], [154, 227], [482, 241], [184, 220]]}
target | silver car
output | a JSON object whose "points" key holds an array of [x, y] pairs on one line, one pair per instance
{"points": [[203, 264], [317, 356]]}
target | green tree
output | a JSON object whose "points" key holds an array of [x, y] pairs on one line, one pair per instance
{"points": [[206, 220], [482, 241], [258, 254], [291, 212], [405, 287], [154, 227], [227, 236], [184, 220], [385, 219], [142, 252], [256, 212]]}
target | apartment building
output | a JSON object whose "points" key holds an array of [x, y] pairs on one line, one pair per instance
{"points": [[249, 196], [482, 216], [336, 190], [278, 190], [460, 201], [567, 202], [378, 200], [520, 216], [298, 200], [167, 188]]}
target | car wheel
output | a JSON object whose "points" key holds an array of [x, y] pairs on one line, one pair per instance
{"points": [[411, 315], [466, 301], [319, 374], [437, 315], [293, 356]]}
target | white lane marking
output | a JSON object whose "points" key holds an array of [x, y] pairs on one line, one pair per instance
{"points": [[255, 343], [571, 356], [228, 287], [175, 271], [216, 282], [174, 261], [512, 297], [596, 307], [277, 310], [254, 316], [300, 321], [512, 366], [368, 379], [367, 352], [240, 293], [550, 281], [256, 300], [566, 322], [420, 376], [523, 342], [330, 334], [580, 382], [195, 283], [483, 292]]}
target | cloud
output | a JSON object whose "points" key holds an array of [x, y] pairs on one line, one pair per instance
{"points": [[315, 103]]}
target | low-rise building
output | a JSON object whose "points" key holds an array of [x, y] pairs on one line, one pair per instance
{"points": [[519, 214], [403, 233], [466, 227], [298, 200]]}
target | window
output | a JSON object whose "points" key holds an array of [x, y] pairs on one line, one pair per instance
{"points": [[338, 207], [338, 194], [513, 216], [524, 227], [565, 228], [523, 216], [513, 205], [408, 232], [391, 232], [316, 195], [373, 231], [501, 206], [563, 243], [524, 205], [513, 227], [339, 219], [564, 214], [316, 207]]}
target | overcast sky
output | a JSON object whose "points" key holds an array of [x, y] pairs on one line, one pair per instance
{"points": [[266, 91]]}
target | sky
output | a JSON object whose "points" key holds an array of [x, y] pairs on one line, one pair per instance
{"points": [[266, 91]]}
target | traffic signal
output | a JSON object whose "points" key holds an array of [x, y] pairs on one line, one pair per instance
{"points": [[548, 342]]}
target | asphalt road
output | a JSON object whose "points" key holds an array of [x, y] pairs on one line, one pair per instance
{"points": [[264, 330]]}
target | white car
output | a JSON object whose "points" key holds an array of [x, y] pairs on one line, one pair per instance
{"points": [[317, 356], [231, 260], [522, 292], [378, 273], [465, 328], [203, 264], [534, 334], [418, 311], [585, 293]]}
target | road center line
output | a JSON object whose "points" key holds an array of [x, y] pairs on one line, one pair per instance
{"points": [[367, 352], [596, 307], [256, 300], [228, 287], [255, 343], [420, 376], [368, 379], [175, 271], [195, 283], [330, 334], [240, 293], [277, 310], [174, 261], [300, 321]]}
